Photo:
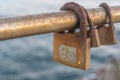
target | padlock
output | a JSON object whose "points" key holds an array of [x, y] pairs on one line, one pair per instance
{"points": [[107, 32], [93, 33], [95, 40], [73, 49], [68, 50], [107, 35]]}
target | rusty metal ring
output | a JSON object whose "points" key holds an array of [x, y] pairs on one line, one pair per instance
{"points": [[108, 12], [81, 14], [91, 26]]}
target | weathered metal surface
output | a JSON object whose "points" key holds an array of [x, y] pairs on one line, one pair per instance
{"points": [[72, 52], [106, 30], [51, 22], [81, 42], [93, 33]]}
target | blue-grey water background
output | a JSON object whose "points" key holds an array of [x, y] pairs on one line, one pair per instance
{"points": [[31, 58]]}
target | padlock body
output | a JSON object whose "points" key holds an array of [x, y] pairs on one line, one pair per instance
{"points": [[95, 40], [68, 50], [107, 35]]}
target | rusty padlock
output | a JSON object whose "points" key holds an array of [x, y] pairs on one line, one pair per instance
{"points": [[73, 49], [93, 33], [107, 33]]}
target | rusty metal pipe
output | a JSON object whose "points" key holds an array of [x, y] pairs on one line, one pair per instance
{"points": [[15, 27]]}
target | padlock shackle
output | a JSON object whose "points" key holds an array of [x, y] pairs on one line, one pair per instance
{"points": [[81, 15], [108, 12]]}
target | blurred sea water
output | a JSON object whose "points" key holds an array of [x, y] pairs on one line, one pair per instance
{"points": [[31, 58]]}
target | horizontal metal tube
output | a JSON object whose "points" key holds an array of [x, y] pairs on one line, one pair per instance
{"points": [[15, 27]]}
